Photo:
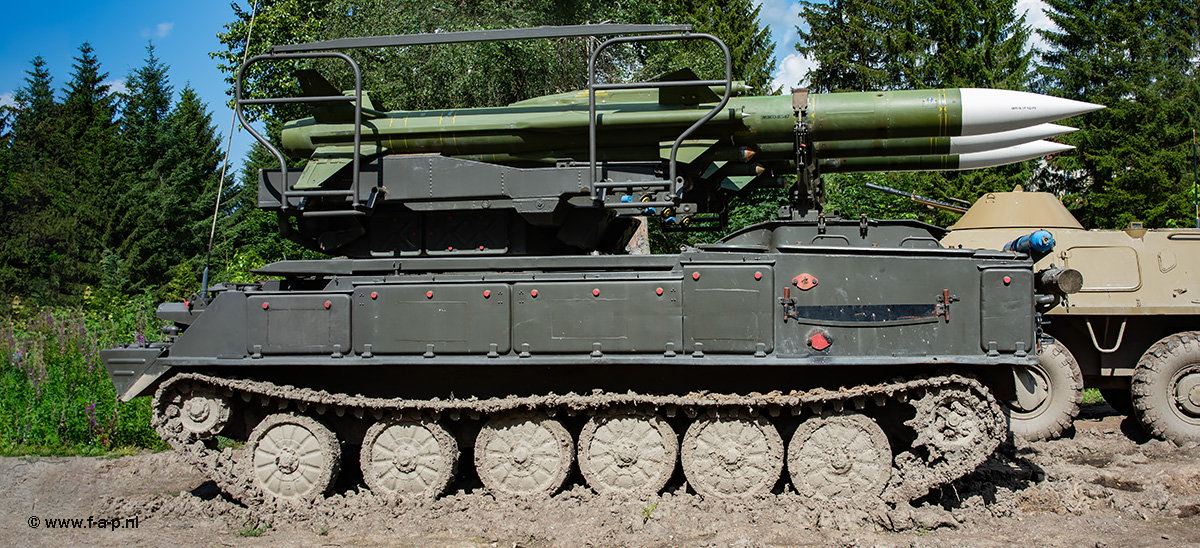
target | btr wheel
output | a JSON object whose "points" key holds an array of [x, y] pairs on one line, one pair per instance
{"points": [[416, 459], [732, 457], [293, 457], [1166, 388], [1048, 395], [523, 454]]}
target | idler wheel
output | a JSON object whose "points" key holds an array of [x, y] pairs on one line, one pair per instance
{"points": [[520, 454], [627, 453], [1166, 388], [732, 457], [407, 458], [202, 412], [1048, 395], [293, 457], [839, 458]]}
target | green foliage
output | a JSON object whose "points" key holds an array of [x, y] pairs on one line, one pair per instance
{"points": [[55, 397], [1133, 158], [864, 45]]}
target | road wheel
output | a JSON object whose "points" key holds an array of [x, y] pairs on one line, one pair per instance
{"points": [[1048, 395], [840, 458], [1166, 388], [627, 454], [412, 459], [523, 454], [293, 457], [732, 457], [1119, 399]]}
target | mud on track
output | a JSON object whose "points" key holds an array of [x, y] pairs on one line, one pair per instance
{"points": [[1106, 485]]}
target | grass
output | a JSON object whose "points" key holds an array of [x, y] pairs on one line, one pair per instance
{"points": [[1091, 396], [255, 530]]}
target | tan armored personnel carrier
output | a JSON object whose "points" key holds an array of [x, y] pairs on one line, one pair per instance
{"points": [[1133, 331]]}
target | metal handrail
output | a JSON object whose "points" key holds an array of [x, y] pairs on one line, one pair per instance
{"points": [[356, 99], [673, 182]]}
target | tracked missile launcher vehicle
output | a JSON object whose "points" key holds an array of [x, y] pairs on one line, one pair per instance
{"points": [[484, 320], [1132, 331]]}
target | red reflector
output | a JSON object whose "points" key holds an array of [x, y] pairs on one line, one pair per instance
{"points": [[1007, 280], [533, 293], [695, 275], [758, 275], [595, 292], [819, 342], [428, 294], [658, 291], [266, 306], [487, 293], [374, 295], [327, 305]]}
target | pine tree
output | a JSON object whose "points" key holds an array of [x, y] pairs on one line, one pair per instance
{"points": [[1134, 156], [858, 45], [137, 229]]}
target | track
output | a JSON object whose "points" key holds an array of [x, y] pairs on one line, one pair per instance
{"points": [[898, 439]]}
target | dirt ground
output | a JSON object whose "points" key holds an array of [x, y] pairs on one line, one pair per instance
{"points": [[1105, 485]]}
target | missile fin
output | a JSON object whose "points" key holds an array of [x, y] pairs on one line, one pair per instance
{"points": [[312, 84], [326, 162], [688, 150], [686, 95]]}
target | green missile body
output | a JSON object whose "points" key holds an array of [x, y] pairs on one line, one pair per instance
{"points": [[634, 125]]}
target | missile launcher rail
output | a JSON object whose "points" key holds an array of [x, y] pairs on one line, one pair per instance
{"points": [[484, 305]]}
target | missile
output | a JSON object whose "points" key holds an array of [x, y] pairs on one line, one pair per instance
{"points": [[931, 146], [945, 162], [933, 113], [641, 125]]}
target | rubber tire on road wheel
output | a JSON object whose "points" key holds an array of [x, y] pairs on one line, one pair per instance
{"points": [[1057, 412], [1119, 399], [1155, 379]]}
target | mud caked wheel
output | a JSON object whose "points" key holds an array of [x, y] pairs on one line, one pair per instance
{"points": [[521, 454], [1166, 388], [1048, 395], [408, 458], [203, 412], [732, 457], [627, 454], [839, 458], [293, 457]]}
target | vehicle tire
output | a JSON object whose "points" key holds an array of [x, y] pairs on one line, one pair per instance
{"points": [[1048, 395], [1166, 388], [1120, 399]]}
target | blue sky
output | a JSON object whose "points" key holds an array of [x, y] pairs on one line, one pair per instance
{"points": [[184, 33]]}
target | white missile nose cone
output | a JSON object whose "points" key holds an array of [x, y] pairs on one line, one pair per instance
{"points": [[1004, 139], [1010, 155], [996, 110]]}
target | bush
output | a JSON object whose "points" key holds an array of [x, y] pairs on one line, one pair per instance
{"points": [[55, 396]]}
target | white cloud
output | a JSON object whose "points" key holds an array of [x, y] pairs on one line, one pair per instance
{"points": [[7, 100], [116, 86], [1036, 19], [792, 72], [163, 29], [781, 16], [160, 31]]}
